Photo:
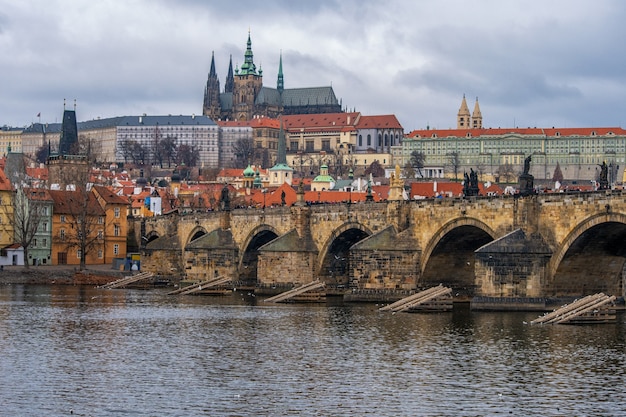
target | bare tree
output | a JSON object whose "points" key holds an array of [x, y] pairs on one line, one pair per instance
{"points": [[29, 212], [165, 150], [187, 155], [42, 153], [416, 161], [409, 172], [506, 172], [91, 149], [454, 162], [376, 169], [243, 149]]}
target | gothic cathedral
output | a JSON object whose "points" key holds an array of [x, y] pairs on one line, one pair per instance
{"points": [[244, 96]]}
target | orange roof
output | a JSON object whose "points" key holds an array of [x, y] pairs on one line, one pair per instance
{"points": [[388, 121], [5, 184], [324, 121]]}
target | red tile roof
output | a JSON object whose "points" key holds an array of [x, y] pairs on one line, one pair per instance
{"points": [[388, 121]]}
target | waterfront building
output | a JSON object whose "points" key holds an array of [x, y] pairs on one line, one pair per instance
{"points": [[40, 248], [245, 96], [102, 217]]}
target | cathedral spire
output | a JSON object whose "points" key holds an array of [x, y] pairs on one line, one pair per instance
{"points": [[230, 79], [280, 85], [212, 72], [211, 105], [463, 117]]}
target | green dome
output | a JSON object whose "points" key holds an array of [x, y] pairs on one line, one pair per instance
{"points": [[248, 172]]}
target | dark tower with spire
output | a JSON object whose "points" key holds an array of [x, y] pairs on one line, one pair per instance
{"points": [[280, 84], [211, 107], [230, 79], [69, 134]]}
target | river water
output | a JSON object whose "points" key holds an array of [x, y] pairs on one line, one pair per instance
{"points": [[86, 351]]}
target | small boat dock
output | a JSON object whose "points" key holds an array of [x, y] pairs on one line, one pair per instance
{"points": [[597, 308]]}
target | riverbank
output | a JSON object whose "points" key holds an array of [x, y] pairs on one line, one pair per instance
{"points": [[60, 275]]}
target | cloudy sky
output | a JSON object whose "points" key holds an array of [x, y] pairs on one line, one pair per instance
{"points": [[530, 63]]}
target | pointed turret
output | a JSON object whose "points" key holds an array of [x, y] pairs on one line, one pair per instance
{"points": [[280, 84], [477, 117], [230, 78], [463, 117], [211, 107]]}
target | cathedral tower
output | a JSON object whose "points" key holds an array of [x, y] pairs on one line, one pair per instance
{"points": [[211, 107], [248, 83]]}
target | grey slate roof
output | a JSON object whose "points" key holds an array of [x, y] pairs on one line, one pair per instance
{"points": [[180, 120], [309, 96]]}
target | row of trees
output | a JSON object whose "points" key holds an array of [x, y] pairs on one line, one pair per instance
{"points": [[162, 152]]}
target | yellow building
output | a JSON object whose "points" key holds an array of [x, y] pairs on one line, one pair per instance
{"points": [[116, 223], [6, 211], [102, 220], [10, 140]]}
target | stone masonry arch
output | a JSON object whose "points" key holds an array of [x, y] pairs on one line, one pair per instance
{"points": [[252, 235], [195, 233], [577, 232], [333, 236], [447, 228]]}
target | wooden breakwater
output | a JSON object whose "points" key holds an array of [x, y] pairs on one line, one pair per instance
{"points": [[596, 308]]}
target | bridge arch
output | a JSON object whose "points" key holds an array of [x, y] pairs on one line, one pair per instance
{"points": [[334, 257], [196, 233], [153, 235], [591, 258], [249, 251], [448, 257]]}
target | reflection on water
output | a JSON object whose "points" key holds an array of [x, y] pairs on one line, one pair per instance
{"points": [[98, 352]]}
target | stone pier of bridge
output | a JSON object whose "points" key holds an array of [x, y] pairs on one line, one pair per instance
{"points": [[550, 245]]}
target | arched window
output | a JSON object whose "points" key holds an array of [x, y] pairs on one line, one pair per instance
{"points": [[369, 140], [386, 140], [360, 140], [380, 140]]}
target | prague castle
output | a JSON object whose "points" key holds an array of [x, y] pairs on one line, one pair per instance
{"points": [[245, 96]]}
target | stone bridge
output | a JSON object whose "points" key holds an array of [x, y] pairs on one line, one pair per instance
{"points": [[547, 245]]}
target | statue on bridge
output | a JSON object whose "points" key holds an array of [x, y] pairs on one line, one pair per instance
{"points": [[603, 180], [526, 181], [225, 199], [470, 184]]}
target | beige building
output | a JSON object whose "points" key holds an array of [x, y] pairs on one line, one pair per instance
{"points": [[10, 140]]}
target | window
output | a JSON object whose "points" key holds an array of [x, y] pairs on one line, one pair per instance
{"points": [[44, 226], [62, 234], [117, 212], [62, 218], [79, 254], [44, 243], [100, 234], [116, 230], [100, 220], [116, 249], [34, 242], [99, 253]]}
